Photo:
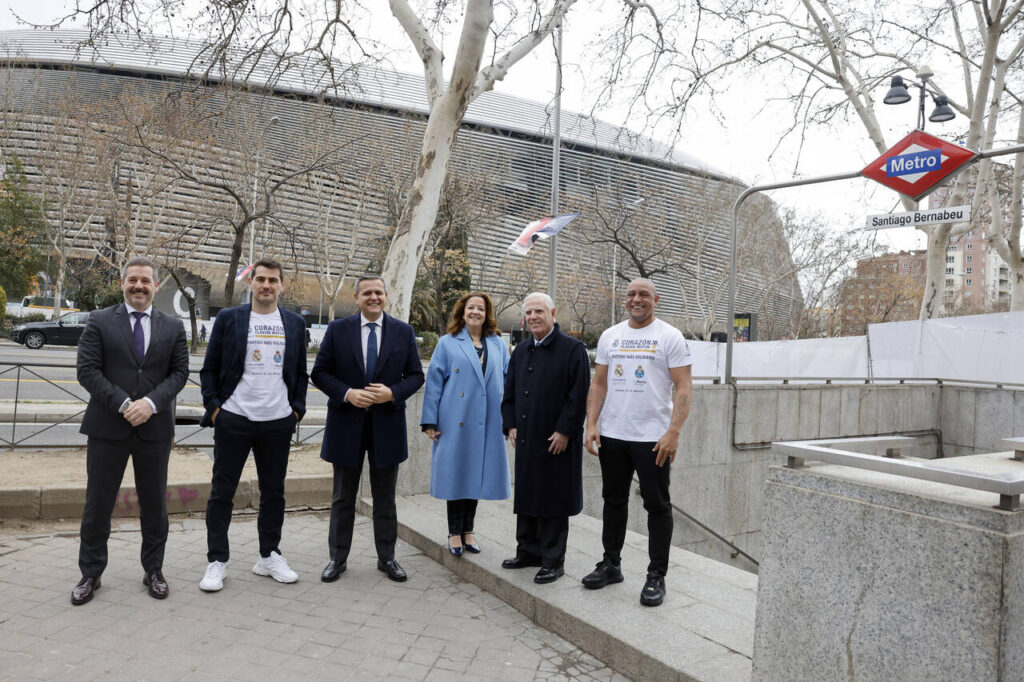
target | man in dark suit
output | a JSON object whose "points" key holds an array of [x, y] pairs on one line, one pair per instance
{"points": [[254, 389], [133, 361], [368, 366], [542, 413]]}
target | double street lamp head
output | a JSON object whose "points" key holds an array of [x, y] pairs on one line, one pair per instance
{"points": [[898, 94]]}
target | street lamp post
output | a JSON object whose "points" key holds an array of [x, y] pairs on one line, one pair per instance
{"points": [[255, 187]]}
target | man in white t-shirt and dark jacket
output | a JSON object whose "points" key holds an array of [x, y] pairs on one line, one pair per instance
{"points": [[254, 388], [639, 399]]}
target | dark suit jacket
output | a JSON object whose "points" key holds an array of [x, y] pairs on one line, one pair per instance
{"points": [[225, 359], [110, 372], [339, 366]]}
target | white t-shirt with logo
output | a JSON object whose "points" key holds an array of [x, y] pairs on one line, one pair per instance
{"points": [[261, 394], [638, 406]]}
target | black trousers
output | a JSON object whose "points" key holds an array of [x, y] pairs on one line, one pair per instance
{"points": [[619, 459], [233, 437], [343, 504], [461, 516], [542, 538], [105, 464]]}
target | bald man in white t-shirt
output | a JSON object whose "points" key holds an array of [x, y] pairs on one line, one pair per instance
{"points": [[639, 400]]}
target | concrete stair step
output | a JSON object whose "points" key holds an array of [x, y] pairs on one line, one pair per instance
{"points": [[703, 631]]}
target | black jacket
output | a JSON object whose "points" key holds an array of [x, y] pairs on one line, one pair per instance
{"points": [[225, 359], [546, 391], [110, 372]]}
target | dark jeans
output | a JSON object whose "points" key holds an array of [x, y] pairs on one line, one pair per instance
{"points": [[461, 516], [105, 462], [619, 459], [343, 505], [542, 538], [233, 437]]}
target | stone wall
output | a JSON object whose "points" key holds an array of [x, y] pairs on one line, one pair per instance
{"points": [[721, 483], [975, 420]]}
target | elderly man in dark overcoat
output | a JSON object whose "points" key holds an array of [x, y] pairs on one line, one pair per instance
{"points": [[543, 411]]}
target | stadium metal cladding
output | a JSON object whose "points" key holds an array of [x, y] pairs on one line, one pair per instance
{"points": [[376, 118]]}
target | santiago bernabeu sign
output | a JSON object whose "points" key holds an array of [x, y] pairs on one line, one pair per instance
{"points": [[949, 214]]}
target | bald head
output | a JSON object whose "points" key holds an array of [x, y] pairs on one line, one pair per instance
{"points": [[641, 300]]}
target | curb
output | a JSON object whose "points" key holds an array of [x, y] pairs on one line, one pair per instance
{"points": [[53, 502]]}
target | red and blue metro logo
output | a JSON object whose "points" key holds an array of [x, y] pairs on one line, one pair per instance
{"points": [[917, 164]]}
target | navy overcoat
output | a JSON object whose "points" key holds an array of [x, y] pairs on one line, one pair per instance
{"points": [[546, 391], [339, 366]]}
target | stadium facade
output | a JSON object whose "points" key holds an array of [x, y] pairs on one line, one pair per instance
{"points": [[359, 142]]}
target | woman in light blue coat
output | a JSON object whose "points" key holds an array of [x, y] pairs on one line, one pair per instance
{"points": [[462, 415]]}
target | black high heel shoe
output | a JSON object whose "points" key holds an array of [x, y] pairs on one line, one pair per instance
{"points": [[471, 548], [455, 551]]}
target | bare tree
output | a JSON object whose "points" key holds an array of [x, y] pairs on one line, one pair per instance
{"points": [[68, 185], [243, 38], [835, 55]]}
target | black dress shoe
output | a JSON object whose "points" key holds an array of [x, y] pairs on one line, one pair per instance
{"points": [[393, 570], [157, 585], [519, 562], [548, 575], [471, 548], [605, 573], [654, 590], [84, 590], [332, 571]]}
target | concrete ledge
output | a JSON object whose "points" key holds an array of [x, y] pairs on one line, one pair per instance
{"points": [[303, 491], [49, 502], [63, 503], [19, 503], [703, 631]]}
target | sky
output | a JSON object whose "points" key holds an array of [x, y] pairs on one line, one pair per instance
{"points": [[742, 144]]}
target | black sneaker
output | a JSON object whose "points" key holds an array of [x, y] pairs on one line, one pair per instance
{"points": [[654, 590], [605, 573]]}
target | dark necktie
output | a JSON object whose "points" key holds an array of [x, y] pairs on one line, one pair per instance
{"points": [[371, 350], [140, 337]]}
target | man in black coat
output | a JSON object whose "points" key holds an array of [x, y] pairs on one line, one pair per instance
{"points": [[542, 412], [133, 361], [367, 366]]}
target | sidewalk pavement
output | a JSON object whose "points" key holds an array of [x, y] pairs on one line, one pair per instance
{"points": [[435, 626]]}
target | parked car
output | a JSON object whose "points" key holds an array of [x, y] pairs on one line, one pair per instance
{"points": [[64, 331]]}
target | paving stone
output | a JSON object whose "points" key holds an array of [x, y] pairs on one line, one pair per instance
{"points": [[435, 626]]}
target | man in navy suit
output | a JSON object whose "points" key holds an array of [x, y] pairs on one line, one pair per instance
{"points": [[254, 388], [133, 361], [368, 366]]}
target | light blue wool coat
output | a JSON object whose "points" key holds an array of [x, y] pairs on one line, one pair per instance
{"points": [[469, 460]]}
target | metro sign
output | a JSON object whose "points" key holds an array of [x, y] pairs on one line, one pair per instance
{"points": [[917, 164]]}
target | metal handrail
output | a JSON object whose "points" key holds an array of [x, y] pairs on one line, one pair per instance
{"points": [[14, 442]]}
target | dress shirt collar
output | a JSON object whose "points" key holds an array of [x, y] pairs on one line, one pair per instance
{"points": [[537, 342], [363, 321]]}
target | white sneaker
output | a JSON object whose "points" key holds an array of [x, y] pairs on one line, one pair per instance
{"points": [[213, 580], [276, 567]]}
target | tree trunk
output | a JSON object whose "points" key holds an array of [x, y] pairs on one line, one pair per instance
{"points": [[420, 209], [933, 300], [236, 257], [58, 284]]}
